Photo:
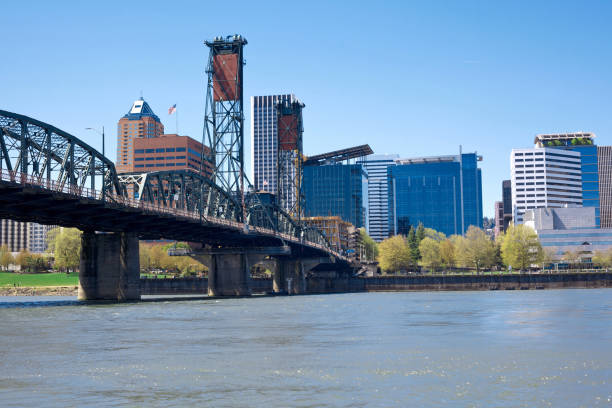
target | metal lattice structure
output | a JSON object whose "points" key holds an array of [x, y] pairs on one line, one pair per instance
{"points": [[36, 150], [224, 116], [289, 157], [184, 190]]}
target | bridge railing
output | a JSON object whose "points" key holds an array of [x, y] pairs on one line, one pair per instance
{"points": [[120, 200]]}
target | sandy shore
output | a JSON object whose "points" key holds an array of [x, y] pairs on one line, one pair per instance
{"points": [[39, 291]]}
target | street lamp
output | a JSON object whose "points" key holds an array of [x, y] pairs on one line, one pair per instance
{"points": [[101, 134]]}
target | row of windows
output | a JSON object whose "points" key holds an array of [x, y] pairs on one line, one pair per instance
{"points": [[162, 150], [160, 158], [160, 165]]}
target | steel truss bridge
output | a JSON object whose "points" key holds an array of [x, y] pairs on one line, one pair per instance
{"points": [[51, 177]]}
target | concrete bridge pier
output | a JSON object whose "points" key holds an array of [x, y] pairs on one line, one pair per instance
{"points": [[110, 267], [229, 274], [289, 275]]}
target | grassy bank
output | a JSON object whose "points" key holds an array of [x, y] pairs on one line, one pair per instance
{"points": [[8, 279]]}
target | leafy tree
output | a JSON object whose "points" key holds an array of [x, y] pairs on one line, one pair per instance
{"points": [[571, 256], [447, 253], [430, 253], [65, 244], [603, 258], [413, 244], [478, 249], [435, 235], [548, 256], [6, 258], [23, 259], [394, 254], [420, 232], [520, 247], [370, 246], [145, 257]]}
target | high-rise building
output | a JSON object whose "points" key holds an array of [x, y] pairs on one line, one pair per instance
{"points": [[604, 166], [442, 192], [545, 177], [336, 190], [264, 139], [378, 203], [18, 236], [139, 122], [583, 143], [507, 202]]}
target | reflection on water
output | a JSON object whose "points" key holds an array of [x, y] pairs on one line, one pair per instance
{"points": [[480, 349]]}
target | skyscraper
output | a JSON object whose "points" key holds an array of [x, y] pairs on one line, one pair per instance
{"points": [[545, 177], [139, 122], [507, 201], [264, 143], [378, 203], [442, 192], [336, 190]]}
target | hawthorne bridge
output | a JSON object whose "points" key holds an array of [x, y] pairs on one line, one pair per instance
{"points": [[51, 177]]}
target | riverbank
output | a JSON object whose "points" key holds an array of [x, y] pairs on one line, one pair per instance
{"points": [[39, 291]]}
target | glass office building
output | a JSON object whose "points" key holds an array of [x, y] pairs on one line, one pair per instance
{"points": [[582, 143], [336, 190], [442, 192]]}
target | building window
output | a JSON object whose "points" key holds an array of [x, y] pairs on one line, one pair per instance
{"points": [[150, 151], [181, 149], [159, 150], [170, 150]]}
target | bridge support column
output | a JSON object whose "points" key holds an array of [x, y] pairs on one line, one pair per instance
{"points": [[229, 275], [289, 276], [110, 267]]}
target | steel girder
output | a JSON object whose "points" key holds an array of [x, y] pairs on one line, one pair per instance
{"points": [[182, 189], [33, 149]]}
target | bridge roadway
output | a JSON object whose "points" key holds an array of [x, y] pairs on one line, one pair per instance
{"points": [[43, 177]]}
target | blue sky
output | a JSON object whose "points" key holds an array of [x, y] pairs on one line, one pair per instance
{"points": [[413, 78]]}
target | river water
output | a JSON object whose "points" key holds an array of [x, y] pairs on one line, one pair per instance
{"points": [[548, 348]]}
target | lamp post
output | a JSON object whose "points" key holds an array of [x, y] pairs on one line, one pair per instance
{"points": [[104, 155], [101, 134]]}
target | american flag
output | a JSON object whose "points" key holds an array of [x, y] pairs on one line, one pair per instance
{"points": [[172, 109]]}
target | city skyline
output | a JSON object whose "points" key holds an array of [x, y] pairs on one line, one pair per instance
{"points": [[465, 75]]}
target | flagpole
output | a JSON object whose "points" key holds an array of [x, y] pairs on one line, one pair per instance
{"points": [[177, 132]]}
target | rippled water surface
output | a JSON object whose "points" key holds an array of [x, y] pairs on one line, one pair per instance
{"points": [[457, 349]]}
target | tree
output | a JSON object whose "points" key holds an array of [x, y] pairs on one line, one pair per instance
{"points": [[370, 246], [430, 253], [447, 253], [548, 256], [144, 257], [413, 244], [520, 247], [6, 258], [571, 256], [23, 260], [420, 233], [65, 243], [478, 249], [394, 254], [435, 235], [603, 258]]}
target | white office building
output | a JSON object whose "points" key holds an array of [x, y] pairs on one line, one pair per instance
{"points": [[378, 202], [544, 177], [264, 136]]}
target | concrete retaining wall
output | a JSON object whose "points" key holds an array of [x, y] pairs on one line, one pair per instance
{"points": [[194, 286]]}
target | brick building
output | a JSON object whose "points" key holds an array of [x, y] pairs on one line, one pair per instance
{"points": [[143, 147], [139, 122]]}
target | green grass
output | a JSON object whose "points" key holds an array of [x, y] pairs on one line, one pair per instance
{"points": [[39, 279]]}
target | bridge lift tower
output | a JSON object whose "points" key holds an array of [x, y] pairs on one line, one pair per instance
{"points": [[224, 114], [290, 157]]}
